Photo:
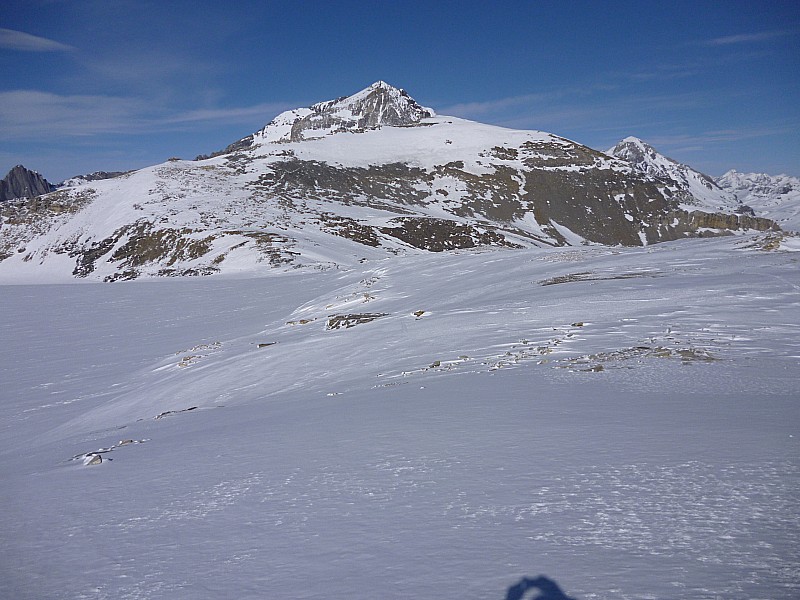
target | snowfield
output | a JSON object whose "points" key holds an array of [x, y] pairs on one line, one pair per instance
{"points": [[622, 420]]}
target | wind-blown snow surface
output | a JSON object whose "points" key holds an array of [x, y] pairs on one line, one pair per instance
{"points": [[624, 421]]}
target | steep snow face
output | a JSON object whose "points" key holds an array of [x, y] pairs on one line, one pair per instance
{"points": [[774, 196], [692, 188], [377, 105]]}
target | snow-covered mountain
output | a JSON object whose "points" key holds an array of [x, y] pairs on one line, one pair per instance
{"points": [[771, 196], [385, 419], [692, 188], [360, 177]]}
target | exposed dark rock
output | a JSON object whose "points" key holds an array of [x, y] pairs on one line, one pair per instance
{"points": [[731, 222], [243, 144], [348, 321], [438, 235], [350, 229], [23, 183], [143, 244]]}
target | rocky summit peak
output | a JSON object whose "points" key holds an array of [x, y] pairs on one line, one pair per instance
{"points": [[689, 186], [23, 183], [379, 104], [633, 149]]}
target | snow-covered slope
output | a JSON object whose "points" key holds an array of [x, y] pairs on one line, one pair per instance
{"points": [[623, 420], [776, 197], [694, 189], [362, 177]]}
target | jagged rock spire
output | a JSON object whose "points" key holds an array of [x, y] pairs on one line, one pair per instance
{"points": [[23, 183]]}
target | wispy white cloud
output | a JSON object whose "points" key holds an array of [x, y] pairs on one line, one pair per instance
{"points": [[704, 138], [664, 72], [150, 69], [515, 104], [572, 107], [25, 42], [230, 115], [473, 109], [31, 114], [37, 115], [747, 38]]}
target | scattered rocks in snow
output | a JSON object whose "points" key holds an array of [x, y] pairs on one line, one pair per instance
{"points": [[347, 321], [770, 241], [300, 322], [188, 360], [588, 276], [92, 459], [197, 353], [173, 412], [96, 457], [594, 363]]}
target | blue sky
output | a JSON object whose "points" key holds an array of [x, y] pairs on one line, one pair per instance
{"points": [[114, 85]]}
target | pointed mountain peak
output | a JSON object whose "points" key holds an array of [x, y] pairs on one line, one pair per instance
{"points": [[631, 145], [691, 186], [631, 139], [642, 155], [377, 105], [21, 182], [380, 85]]}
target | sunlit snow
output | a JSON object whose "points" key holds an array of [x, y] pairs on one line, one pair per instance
{"points": [[624, 421]]}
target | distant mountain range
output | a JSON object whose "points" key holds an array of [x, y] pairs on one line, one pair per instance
{"points": [[366, 176], [769, 196], [776, 197]]}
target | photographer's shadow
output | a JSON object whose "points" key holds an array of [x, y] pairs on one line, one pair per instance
{"points": [[547, 588]]}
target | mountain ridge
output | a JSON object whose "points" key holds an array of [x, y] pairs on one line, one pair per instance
{"points": [[690, 186], [361, 177], [773, 196]]}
